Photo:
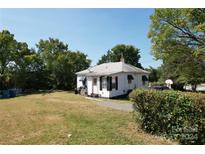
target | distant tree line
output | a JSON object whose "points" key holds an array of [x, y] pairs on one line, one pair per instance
{"points": [[50, 66]]}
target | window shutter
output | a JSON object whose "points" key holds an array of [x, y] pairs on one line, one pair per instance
{"points": [[100, 83], [110, 83], [116, 82]]}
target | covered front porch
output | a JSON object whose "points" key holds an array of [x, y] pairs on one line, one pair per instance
{"points": [[101, 86]]}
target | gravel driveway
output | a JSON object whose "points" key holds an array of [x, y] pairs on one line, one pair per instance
{"points": [[117, 106]]}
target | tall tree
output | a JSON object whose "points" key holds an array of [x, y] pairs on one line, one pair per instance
{"points": [[155, 74], [130, 54], [61, 62], [51, 66], [7, 50], [32, 73], [17, 69], [178, 37], [65, 67], [10, 52], [49, 50]]}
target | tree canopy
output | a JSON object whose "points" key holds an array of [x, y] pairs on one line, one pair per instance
{"points": [[155, 74], [130, 54], [50, 65], [12, 55], [178, 38], [8, 50]]}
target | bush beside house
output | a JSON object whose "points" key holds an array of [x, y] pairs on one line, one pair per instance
{"points": [[173, 114]]}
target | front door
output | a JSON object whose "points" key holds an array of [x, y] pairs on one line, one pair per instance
{"points": [[95, 88]]}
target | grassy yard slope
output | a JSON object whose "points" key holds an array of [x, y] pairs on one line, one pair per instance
{"points": [[50, 118]]}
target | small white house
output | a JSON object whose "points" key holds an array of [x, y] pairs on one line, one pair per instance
{"points": [[111, 79]]}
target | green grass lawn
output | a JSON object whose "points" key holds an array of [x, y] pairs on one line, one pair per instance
{"points": [[66, 118]]}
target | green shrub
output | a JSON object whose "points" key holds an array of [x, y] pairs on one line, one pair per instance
{"points": [[174, 114]]}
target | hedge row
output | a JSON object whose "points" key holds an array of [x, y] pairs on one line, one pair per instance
{"points": [[173, 114]]}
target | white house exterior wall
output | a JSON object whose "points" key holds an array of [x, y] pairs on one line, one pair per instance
{"points": [[89, 85], [123, 85], [139, 80], [79, 82]]}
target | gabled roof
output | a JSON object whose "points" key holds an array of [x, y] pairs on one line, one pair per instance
{"points": [[111, 68]]}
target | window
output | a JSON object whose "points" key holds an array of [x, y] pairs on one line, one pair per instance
{"points": [[95, 81], [144, 79], [115, 83], [104, 83], [130, 78], [84, 82]]}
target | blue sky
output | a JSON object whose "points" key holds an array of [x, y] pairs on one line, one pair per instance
{"points": [[92, 31]]}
